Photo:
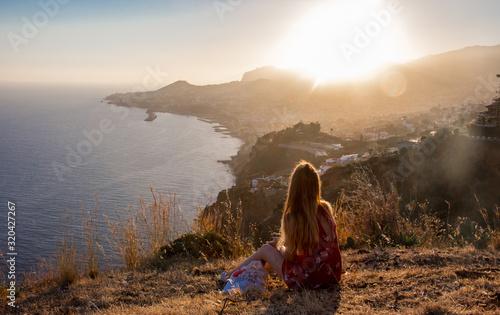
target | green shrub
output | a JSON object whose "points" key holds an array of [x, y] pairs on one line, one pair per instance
{"points": [[408, 240], [350, 243], [201, 246], [371, 216], [468, 232]]}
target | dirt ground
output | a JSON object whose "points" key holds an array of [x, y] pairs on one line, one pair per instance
{"points": [[379, 281]]}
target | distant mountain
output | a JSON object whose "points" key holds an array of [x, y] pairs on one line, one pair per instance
{"points": [[463, 64], [177, 86], [270, 98], [269, 73]]}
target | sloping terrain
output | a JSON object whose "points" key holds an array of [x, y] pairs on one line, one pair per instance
{"points": [[380, 281]]}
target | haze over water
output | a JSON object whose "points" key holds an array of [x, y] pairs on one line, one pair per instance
{"points": [[40, 126]]}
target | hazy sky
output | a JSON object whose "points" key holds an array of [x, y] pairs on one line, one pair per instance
{"points": [[155, 43]]}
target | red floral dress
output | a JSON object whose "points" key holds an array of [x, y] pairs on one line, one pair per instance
{"points": [[320, 270]]}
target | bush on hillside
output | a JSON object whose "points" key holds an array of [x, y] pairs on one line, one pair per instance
{"points": [[467, 232], [201, 246], [369, 216]]}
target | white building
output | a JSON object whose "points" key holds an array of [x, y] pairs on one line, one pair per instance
{"points": [[331, 161], [392, 150], [408, 125], [322, 170], [349, 158], [259, 182]]}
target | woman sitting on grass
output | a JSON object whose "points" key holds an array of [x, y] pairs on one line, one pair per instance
{"points": [[307, 254]]}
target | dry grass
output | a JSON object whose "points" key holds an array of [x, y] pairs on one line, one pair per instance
{"points": [[405, 281], [365, 210], [91, 241], [493, 223], [225, 221], [380, 281], [373, 217], [45, 270], [221, 219], [67, 264], [146, 229]]}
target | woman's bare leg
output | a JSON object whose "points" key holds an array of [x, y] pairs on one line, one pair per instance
{"points": [[267, 253]]}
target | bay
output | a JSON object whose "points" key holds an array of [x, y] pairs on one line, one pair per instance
{"points": [[61, 146]]}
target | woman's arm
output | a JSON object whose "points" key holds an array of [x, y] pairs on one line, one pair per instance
{"points": [[274, 243]]}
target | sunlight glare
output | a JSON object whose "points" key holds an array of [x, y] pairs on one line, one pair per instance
{"points": [[314, 45]]}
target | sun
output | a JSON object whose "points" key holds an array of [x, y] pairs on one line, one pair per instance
{"points": [[343, 40]]}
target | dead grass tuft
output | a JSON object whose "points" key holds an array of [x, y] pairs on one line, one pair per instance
{"points": [[67, 265], [91, 241], [146, 229], [367, 216], [493, 223], [226, 221]]}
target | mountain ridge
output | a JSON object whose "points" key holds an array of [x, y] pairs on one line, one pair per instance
{"points": [[268, 98]]}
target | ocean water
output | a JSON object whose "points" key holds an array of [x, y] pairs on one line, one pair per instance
{"points": [[60, 146]]}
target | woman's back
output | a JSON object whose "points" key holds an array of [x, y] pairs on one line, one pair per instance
{"points": [[324, 266]]}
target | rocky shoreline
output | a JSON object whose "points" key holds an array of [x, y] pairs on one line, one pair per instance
{"points": [[151, 115]]}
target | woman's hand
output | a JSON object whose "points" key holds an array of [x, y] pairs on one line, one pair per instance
{"points": [[274, 242]]}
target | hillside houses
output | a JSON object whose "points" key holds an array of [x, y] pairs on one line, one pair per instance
{"points": [[345, 159], [348, 158], [407, 125], [273, 182], [392, 150], [322, 170]]}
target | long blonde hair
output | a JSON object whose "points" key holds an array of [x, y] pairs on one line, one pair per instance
{"points": [[299, 227]]}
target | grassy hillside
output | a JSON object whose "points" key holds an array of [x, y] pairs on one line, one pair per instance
{"points": [[405, 247], [451, 176], [411, 267]]}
